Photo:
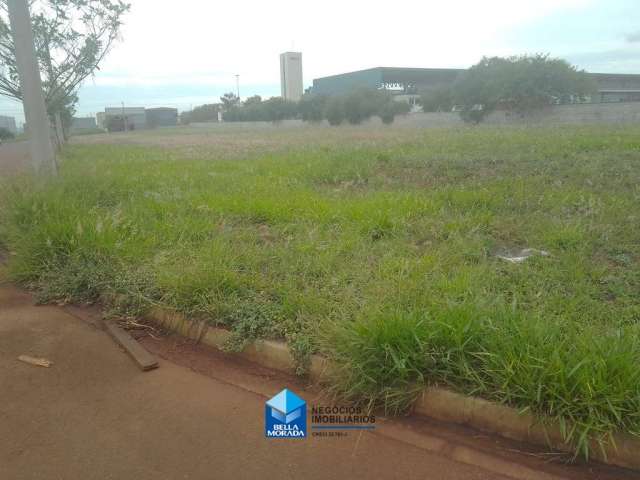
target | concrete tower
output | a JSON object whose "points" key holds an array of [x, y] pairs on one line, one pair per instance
{"points": [[291, 75]]}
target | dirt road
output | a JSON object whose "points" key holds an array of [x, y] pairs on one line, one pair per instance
{"points": [[94, 415]]}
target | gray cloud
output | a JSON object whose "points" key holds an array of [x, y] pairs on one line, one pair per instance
{"points": [[633, 37], [608, 61], [607, 55]]}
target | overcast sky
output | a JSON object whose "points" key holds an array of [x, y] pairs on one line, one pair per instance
{"points": [[187, 52]]}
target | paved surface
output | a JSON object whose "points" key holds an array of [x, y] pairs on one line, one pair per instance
{"points": [[94, 415], [14, 158]]}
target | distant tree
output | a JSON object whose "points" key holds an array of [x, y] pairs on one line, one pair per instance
{"points": [[520, 84], [202, 113], [439, 99], [254, 100], [362, 104], [388, 113], [72, 37], [312, 107], [334, 110], [390, 108], [355, 107], [185, 117], [229, 100], [278, 109], [6, 134], [251, 110]]}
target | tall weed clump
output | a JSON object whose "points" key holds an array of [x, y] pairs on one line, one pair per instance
{"points": [[586, 378]]}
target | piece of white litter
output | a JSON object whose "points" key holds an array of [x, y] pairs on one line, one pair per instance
{"points": [[522, 255], [38, 362]]}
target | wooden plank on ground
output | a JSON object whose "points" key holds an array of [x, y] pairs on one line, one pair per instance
{"points": [[143, 359]]}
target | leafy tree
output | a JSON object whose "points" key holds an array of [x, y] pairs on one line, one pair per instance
{"points": [[390, 108], [229, 100], [184, 118], [254, 100], [255, 110], [278, 109], [71, 37], [362, 104], [520, 84], [334, 111], [355, 107], [387, 113], [439, 99], [202, 113], [312, 107]]}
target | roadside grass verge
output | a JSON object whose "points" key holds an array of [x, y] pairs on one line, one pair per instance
{"points": [[380, 257]]}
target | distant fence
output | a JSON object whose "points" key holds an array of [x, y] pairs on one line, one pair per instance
{"points": [[249, 125], [585, 113]]}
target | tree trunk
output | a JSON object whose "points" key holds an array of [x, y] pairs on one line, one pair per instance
{"points": [[42, 153], [60, 130], [55, 136]]}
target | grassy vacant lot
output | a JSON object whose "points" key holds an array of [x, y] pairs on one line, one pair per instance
{"points": [[377, 248]]}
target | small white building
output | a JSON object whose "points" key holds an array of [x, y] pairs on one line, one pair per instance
{"points": [[291, 76]]}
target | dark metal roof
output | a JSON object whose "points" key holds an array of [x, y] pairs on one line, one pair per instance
{"points": [[398, 72], [429, 77], [379, 76]]}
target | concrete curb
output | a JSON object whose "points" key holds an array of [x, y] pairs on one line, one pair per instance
{"points": [[268, 353], [434, 402], [508, 422]]}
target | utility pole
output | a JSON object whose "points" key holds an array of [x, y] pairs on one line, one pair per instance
{"points": [[124, 119], [42, 153], [238, 85]]}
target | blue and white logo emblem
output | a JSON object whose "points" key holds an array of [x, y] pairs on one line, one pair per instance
{"points": [[285, 416]]}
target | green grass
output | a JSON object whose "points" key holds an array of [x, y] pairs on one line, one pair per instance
{"points": [[378, 251]]}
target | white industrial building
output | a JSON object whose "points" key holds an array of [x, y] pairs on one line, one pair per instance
{"points": [[291, 75]]}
